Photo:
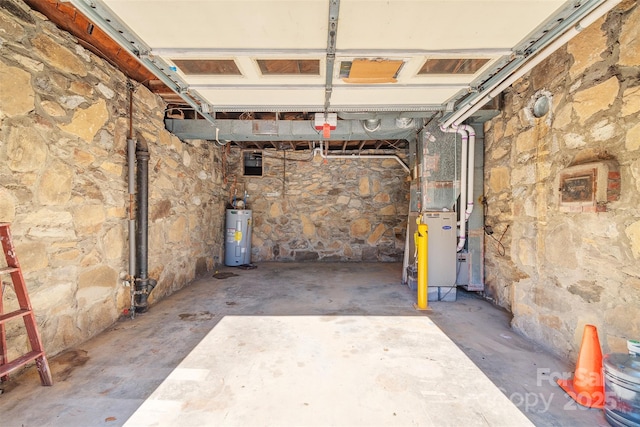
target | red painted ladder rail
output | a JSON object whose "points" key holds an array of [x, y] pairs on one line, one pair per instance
{"points": [[25, 312]]}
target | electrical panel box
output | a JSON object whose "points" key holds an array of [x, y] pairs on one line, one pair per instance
{"points": [[462, 274]]}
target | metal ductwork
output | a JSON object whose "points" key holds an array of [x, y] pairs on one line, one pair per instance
{"points": [[293, 130], [404, 122], [371, 125]]}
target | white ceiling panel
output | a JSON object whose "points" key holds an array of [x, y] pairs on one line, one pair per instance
{"points": [[391, 96], [264, 97], [227, 24], [412, 31], [439, 24]]}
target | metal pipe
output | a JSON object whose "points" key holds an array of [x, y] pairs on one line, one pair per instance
{"points": [[131, 161], [288, 130], [319, 150], [142, 274], [131, 181]]}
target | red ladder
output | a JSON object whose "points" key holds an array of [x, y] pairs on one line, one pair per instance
{"points": [[25, 311]]}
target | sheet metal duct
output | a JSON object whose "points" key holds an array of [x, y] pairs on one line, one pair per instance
{"points": [[287, 130]]}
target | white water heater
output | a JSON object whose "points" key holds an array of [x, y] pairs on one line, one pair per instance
{"points": [[238, 237]]}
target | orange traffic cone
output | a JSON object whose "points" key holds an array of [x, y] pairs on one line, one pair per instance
{"points": [[587, 386]]}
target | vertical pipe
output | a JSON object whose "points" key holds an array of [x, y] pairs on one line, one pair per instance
{"points": [[142, 204], [422, 241], [131, 162], [464, 158], [475, 225], [470, 168], [131, 166]]}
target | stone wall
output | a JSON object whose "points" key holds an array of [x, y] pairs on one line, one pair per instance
{"points": [[63, 183], [562, 270], [307, 209]]}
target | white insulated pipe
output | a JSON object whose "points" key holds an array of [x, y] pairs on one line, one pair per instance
{"points": [[470, 165], [494, 91], [464, 158], [360, 156]]}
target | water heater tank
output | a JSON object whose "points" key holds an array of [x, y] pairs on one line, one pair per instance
{"points": [[238, 237]]}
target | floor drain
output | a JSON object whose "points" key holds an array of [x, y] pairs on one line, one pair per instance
{"points": [[203, 315], [224, 275]]}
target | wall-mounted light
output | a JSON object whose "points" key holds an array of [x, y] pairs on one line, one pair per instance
{"points": [[539, 106]]}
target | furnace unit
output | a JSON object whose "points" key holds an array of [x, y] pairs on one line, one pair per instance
{"points": [[442, 255]]}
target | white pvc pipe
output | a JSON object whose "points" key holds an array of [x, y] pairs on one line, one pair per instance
{"points": [[494, 91], [470, 167], [463, 182], [360, 156]]}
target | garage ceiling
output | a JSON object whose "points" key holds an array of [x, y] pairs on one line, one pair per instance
{"points": [[395, 37], [363, 59]]}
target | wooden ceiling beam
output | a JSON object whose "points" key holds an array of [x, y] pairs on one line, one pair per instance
{"points": [[68, 18]]}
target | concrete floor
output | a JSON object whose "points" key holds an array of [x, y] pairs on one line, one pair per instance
{"points": [[368, 358]]}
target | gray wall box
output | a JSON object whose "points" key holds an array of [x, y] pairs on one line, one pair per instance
{"points": [[462, 274], [238, 237]]}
